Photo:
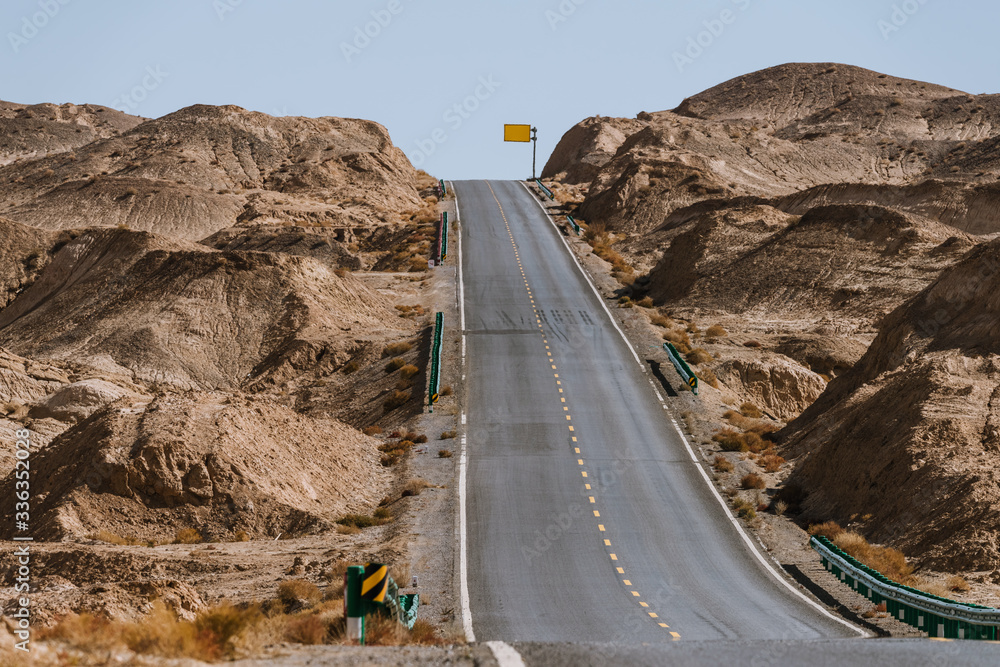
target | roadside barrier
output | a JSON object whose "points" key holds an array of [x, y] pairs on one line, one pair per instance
{"points": [[682, 368], [436, 258], [572, 223], [548, 193], [444, 236], [433, 389], [444, 188], [369, 590], [938, 617]]}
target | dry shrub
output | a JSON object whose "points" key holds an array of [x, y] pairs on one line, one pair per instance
{"points": [[298, 593], [444, 454], [752, 343], [678, 339], [241, 536], [408, 371], [890, 562], [699, 356], [448, 435], [780, 507], [381, 631], [309, 630], [958, 584], [662, 321], [414, 487], [187, 536], [396, 349], [112, 538], [722, 464], [397, 399], [362, 520], [745, 509], [348, 530], [771, 462], [351, 367], [716, 331], [733, 441], [709, 377], [645, 302], [750, 410], [372, 430], [753, 481], [395, 365], [827, 529]]}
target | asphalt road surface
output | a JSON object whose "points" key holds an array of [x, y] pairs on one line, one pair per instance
{"points": [[588, 519]]}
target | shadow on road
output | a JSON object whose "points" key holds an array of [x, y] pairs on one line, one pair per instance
{"points": [[661, 378], [831, 601]]}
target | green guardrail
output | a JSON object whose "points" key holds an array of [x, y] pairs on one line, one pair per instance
{"points": [[444, 188], [368, 591], [444, 236], [572, 223], [690, 379], [938, 617], [548, 193], [435, 379]]}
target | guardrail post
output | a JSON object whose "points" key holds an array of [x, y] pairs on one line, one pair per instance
{"points": [[435, 378], [444, 188], [354, 611], [572, 222], [444, 236], [682, 368], [548, 193]]}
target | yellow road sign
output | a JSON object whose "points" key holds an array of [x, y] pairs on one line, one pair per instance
{"points": [[517, 133]]}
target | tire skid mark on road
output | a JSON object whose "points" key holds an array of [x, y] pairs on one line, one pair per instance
{"points": [[562, 400]]}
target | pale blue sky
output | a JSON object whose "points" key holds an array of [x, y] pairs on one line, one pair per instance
{"points": [[606, 57]]}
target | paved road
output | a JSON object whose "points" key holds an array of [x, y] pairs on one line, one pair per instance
{"points": [[588, 520]]}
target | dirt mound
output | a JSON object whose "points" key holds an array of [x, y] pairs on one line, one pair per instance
{"points": [[203, 461], [332, 250], [37, 130], [587, 147], [778, 386], [911, 434], [836, 263], [157, 310], [205, 168]]}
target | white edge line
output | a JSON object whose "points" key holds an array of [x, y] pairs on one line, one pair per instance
{"points": [[687, 445], [505, 654], [463, 460]]}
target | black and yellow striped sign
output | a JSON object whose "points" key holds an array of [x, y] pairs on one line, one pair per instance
{"points": [[693, 382], [375, 582]]}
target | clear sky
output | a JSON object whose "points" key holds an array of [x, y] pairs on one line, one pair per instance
{"points": [[550, 63]]}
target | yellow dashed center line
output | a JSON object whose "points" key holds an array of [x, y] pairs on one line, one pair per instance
{"points": [[562, 399]]}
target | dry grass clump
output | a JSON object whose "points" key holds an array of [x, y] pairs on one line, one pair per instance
{"points": [[957, 584], [771, 462], [298, 593], [709, 377], [408, 371], [392, 452], [372, 430], [752, 481], [716, 331], [890, 562], [699, 356], [379, 518], [396, 349], [750, 410], [395, 364], [827, 529], [414, 487], [187, 536], [662, 321], [600, 242], [444, 454], [397, 399], [448, 435], [445, 390], [722, 464], [745, 509], [679, 339], [351, 367], [734, 441], [645, 302]]}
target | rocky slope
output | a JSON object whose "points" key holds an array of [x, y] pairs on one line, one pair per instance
{"points": [[911, 434], [203, 169]]}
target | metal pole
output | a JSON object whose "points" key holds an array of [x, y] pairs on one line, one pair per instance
{"points": [[534, 150]]}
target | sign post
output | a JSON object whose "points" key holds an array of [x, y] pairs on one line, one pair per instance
{"points": [[523, 134]]}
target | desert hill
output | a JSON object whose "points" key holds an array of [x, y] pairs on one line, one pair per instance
{"points": [[204, 168], [911, 434], [37, 130], [146, 469], [161, 310]]}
